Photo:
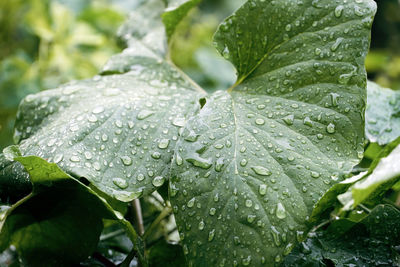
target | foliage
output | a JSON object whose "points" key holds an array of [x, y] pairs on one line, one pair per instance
{"points": [[267, 172]]}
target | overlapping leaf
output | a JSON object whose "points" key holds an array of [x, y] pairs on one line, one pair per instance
{"points": [[253, 162], [382, 115], [384, 173], [43, 233], [371, 242]]}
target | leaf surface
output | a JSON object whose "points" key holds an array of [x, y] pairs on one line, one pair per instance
{"points": [[118, 131], [382, 114], [254, 161]]}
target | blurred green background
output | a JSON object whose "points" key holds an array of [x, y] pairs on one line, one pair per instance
{"points": [[45, 43]]}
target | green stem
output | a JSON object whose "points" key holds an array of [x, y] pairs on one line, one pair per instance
{"points": [[164, 213]]}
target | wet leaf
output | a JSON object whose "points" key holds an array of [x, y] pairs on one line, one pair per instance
{"points": [[117, 131], [254, 161], [382, 115]]}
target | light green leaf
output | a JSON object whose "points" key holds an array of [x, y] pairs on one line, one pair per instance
{"points": [[43, 233], [382, 115], [118, 131], [254, 161], [145, 33], [384, 173], [370, 242], [176, 10]]}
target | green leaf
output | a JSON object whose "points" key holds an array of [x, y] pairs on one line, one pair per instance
{"points": [[165, 254], [14, 181], [254, 161], [43, 233], [369, 243], [382, 115], [176, 10], [118, 131], [383, 175]]}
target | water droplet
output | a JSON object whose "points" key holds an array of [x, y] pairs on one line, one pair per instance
{"points": [[289, 119], [330, 128], [163, 144], [260, 121], [201, 225], [143, 114], [75, 159], [280, 211], [121, 183], [261, 170], [243, 162], [339, 11], [156, 155], [58, 158], [97, 110], [262, 189], [158, 181], [219, 164], [212, 211], [307, 121], [251, 218], [179, 122], [200, 162], [140, 177], [248, 203], [246, 261], [211, 235], [88, 155], [315, 174], [190, 203], [336, 45], [127, 161]]}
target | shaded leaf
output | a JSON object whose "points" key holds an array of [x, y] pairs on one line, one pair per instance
{"points": [[165, 254], [254, 161], [371, 242], [43, 225]]}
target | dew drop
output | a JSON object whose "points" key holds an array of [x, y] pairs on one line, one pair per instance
{"points": [[261, 170], [158, 181], [190, 203], [280, 211], [121, 183], [143, 114], [339, 11], [289, 119], [75, 159], [330, 128], [201, 225], [211, 235], [127, 161], [163, 144], [262, 189], [260, 121]]}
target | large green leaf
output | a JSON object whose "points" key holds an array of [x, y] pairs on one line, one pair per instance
{"points": [[383, 114], [45, 227], [384, 173], [118, 131], [370, 242], [254, 160]]}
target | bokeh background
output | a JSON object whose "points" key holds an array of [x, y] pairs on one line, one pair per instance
{"points": [[44, 43]]}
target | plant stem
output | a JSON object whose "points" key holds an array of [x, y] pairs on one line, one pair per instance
{"points": [[137, 209], [112, 234], [164, 213]]}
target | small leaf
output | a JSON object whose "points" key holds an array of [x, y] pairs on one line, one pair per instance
{"points": [[382, 115], [174, 13], [384, 173]]}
